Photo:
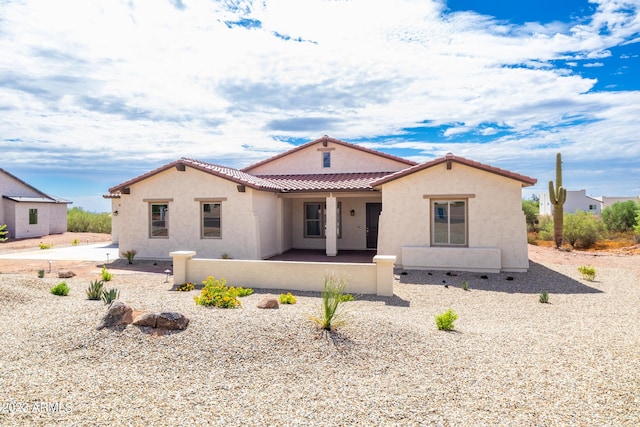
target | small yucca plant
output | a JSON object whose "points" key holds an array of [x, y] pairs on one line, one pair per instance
{"points": [[544, 297], [94, 292], [109, 296], [332, 293]]}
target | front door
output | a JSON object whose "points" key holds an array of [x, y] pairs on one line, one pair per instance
{"points": [[373, 216]]}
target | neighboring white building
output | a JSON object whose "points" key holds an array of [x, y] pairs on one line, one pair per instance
{"points": [[27, 211], [450, 213], [578, 200]]}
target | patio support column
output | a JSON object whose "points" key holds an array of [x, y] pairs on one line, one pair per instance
{"points": [[331, 226]]}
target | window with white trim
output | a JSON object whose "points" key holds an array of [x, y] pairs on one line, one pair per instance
{"points": [[449, 223], [211, 225]]}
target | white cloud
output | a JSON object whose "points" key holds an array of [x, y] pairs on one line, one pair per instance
{"points": [[151, 80]]}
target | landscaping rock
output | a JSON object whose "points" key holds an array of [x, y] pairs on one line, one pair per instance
{"points": [[66, 274], [268, 301], [145, 318], [172, 320], [118, 314]]}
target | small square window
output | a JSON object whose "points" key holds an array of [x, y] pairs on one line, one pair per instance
{"points": [[33, 216], [326, 159]]}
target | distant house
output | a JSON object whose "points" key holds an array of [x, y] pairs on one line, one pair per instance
{"points": [[27, 211], [449, 213], [578, 200]]}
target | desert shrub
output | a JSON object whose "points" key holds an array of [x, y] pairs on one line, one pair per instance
{"points": [[94, 291], [61, 289], [621, 216], [588, 272], [216, 293], [444, 321], [545, 228], [110, 295], [129, 255], [45, 246], [243, 292], [287, 298], [544, 297], [582, 229], [347, 298], [332, 292], [186, 287], [81, 221], [3, 233], [531, 209], [75, 242], [41, 273], [465, 285], [105, 275]]}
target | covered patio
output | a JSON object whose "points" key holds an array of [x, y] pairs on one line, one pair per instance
{"points": [[319, 255]]}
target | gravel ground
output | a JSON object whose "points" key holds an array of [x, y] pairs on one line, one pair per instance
{"points": [[510, 361]]}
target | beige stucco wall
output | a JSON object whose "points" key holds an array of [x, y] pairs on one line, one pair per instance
{"points": [[354, 235], [21, 227], [343, 159], [245, 216], [495, 217]]}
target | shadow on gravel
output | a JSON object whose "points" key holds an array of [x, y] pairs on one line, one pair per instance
{"points": [[538, 279], [141, 266], [394, 300]]}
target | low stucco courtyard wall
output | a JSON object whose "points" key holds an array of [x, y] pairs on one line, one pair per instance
{"points": [[363, 278]]}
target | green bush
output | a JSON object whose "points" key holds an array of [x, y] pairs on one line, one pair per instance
{"points": [[444, 321], [588, 272], [3, 233], [287, 298], [45, 246], [621, 216], [582, 229], [106, 276], [216, 293], [347, 298], [110, 295], [61, 289], [81, 221], [94, 292], [531, 209], [41, 273], [545, 228], [332, 292], [544, 297], [465, 285]]}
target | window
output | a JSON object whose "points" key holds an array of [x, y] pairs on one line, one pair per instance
{"points": [[211, 220], [326, 159], [159, 220], [449, 223], [315, 218], [33, 216]]}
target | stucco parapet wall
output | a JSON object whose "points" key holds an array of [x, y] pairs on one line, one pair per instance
{"points": [[363, 278]]}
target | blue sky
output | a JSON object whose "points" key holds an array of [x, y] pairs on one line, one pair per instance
{"points": [[93, 93]]}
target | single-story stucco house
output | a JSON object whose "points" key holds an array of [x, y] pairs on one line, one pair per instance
{"points": [[449, 213], [27, 211]]}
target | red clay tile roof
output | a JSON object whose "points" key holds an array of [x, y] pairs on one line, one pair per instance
{"points": [[231, 174], [525, 180], [335, 141], [325, 182]]}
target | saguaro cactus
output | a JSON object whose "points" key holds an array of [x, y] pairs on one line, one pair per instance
{"points": [[557, 196]]}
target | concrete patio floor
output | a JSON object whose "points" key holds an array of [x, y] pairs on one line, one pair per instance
{"points": [[312, 255]]}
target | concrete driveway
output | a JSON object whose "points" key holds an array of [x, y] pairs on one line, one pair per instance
{"points": [[101, 252]]}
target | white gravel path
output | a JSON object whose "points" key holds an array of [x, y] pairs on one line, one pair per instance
{"points": [[511, 361]]}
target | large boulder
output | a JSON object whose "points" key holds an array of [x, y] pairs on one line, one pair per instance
{"points": [[268, 301], [119, 314]]}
